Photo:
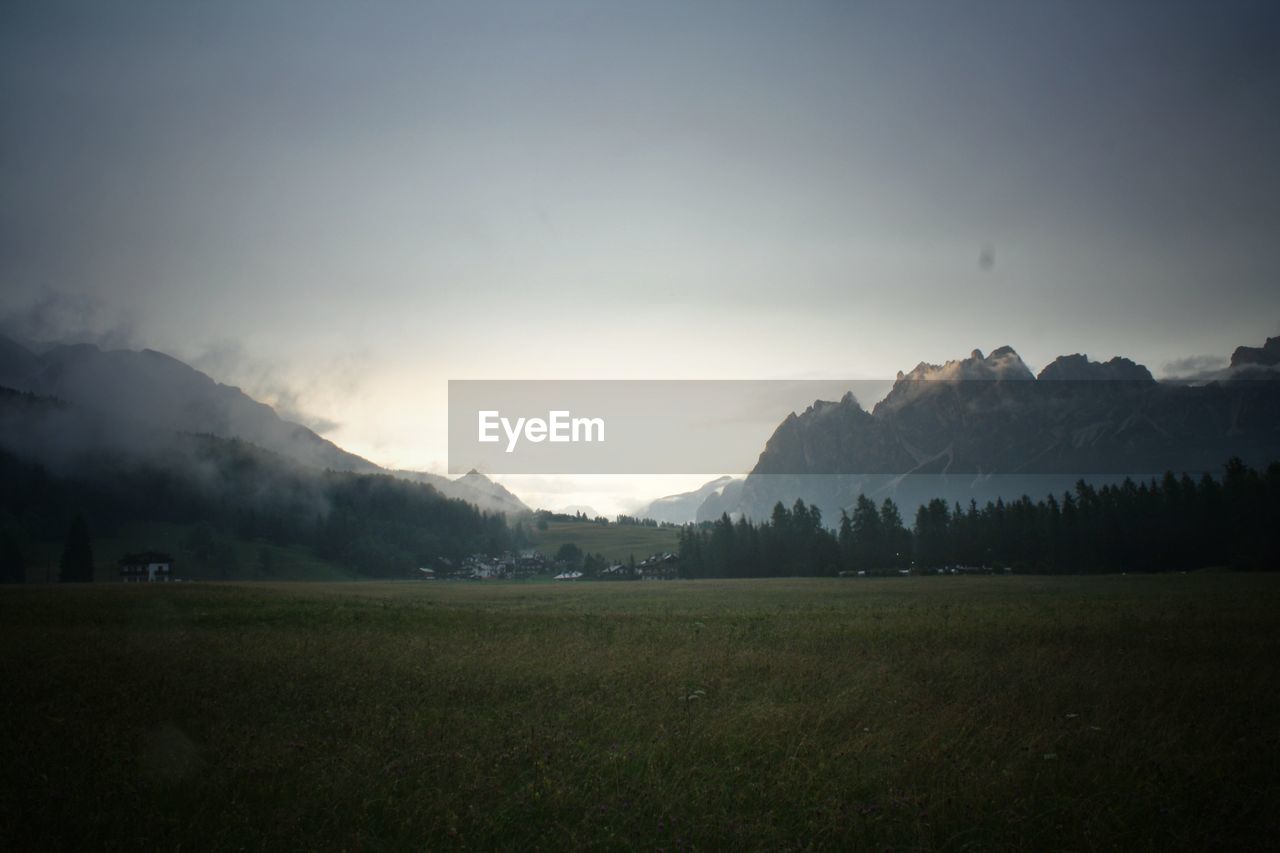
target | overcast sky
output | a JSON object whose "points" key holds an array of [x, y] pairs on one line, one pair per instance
{"points": [[342, 206]]}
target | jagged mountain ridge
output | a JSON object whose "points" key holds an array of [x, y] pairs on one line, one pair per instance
{"points": [[986, 426], [1267, 355]]}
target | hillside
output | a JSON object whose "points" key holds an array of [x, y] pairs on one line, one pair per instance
{"points": [[130, 395], [613, 541], [155, 389], [472, 487], [57, 460]]}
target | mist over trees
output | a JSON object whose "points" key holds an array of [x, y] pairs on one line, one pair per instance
{"points": [[1167, 524], [383, 527], [375, 525]]}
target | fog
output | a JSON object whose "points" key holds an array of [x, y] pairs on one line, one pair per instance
{"points": [[340, 208]]}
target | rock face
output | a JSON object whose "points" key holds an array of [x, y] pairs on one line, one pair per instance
{"points": [[1078, 368], [1267, 355], [985, 427]]}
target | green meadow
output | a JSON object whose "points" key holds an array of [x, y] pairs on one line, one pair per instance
{"points": [[613, 542], [1106, 712]]}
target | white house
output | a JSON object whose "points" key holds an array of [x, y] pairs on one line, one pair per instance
{"points": [[146, 567]]}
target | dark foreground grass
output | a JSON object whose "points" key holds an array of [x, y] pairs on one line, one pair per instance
{"points": [[985, 713]]}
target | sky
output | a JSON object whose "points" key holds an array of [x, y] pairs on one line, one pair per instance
{"points": [[339, 207]]}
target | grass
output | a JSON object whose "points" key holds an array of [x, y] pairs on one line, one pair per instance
{"points": [[614, 542], [922, 713]]}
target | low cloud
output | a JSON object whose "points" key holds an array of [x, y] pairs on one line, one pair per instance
{"points": [[1194, 367], [275, 384], [55, 317]]}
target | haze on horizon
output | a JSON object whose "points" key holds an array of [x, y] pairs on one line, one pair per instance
{"points": [[340, 207]]}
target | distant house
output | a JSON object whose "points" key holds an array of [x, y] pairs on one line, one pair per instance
{"points": [[657, 567], [427, 574], [972, 570], [569, 576], [529, 563], [482, 570], [146, 567]]}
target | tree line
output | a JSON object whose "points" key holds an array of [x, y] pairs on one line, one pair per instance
{"points": [[373, 524], [1165, 524]]}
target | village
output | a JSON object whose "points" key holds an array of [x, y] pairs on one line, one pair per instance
{"points": [[530, 563], [526, 564]]}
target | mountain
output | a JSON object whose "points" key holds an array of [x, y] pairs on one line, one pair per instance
{"points": [[16, 363], [159, 390], [1077, 368], [1267, 355], [124, 399], [686, 506], [579, 509], [722, 501], [473, 487], [480, 485], [987, 427], [215, 500]]}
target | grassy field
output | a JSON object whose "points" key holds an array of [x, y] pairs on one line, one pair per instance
{"points": [[615, 541], [948, 713]]}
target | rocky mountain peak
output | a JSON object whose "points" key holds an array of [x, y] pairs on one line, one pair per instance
{"points": [[1078, 367], [1003, 363], [1266, 355]]}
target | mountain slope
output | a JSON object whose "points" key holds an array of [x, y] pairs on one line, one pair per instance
{"points": [[122, 397], [58, 459], [684, 507], [154, 388], [472, 487]]}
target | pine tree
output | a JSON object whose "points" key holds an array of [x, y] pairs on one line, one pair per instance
{"points": [[932, 523], [846, 540], [76, 565], [895, 541], [868, 543], [12, 566]]}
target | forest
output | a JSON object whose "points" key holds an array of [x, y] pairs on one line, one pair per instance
{"points": [[382, 527], [376, 525], [1167, 524]]}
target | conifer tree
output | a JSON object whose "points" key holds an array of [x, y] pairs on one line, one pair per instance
{"points": [[12, 567], [76, 565]]}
